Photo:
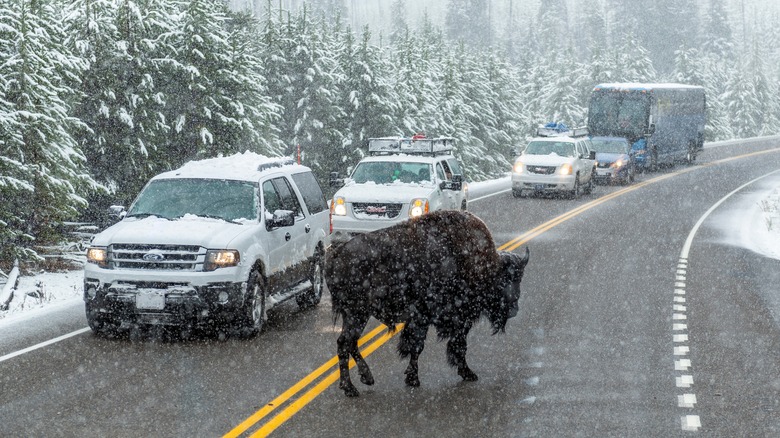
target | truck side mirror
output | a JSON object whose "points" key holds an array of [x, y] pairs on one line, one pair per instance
{"points": [[335, 181], [592, 155], [455, 184], [281, 218]]}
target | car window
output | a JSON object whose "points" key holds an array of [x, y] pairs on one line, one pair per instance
{"points": [[287, 196], [311, 192], [447, 170], [278, 195], [455, 166], [440, 172]]}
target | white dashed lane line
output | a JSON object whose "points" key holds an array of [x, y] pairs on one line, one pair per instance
{"points": [[683, 366]]}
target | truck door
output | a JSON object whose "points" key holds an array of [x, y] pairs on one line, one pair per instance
{"points": [[283, 242]]}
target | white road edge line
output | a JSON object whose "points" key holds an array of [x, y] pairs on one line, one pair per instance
{"points": [[43, 344], [692, 422]]}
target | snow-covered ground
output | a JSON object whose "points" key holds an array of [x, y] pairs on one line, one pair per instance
{"points": [[757, 227]]}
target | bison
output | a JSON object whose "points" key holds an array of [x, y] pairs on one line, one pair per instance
{"points": [[441, 269]]}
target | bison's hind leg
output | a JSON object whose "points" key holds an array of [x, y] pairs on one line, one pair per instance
{"points": [[456, 355], [411, 344], [351, 330]]}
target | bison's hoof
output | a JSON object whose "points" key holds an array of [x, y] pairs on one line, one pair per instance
{"points": [[468, 375], [412, 380], [367, 379], [350, 390]]}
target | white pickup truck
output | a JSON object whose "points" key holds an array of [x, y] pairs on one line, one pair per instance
{"points": [[555, 163], [402, 178]]}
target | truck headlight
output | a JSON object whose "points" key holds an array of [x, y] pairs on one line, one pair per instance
{"points": [[220, 258], [418, 207], [98, 256], [339, 206], [518, 168], [566, 169]]}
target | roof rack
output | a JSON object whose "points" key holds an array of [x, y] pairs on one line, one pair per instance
{"points": [[554, 129], [410, 145], [278, 163]]}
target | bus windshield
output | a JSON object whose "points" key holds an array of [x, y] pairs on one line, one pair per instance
{"points": [[618, 114]]}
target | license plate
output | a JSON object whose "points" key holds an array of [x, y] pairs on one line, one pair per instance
{"points": [[150, 300], [539, 186], [602, 172]]}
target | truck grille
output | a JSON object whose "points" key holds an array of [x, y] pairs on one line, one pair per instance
{"points": [[378, 210], [541, 170], [156, 257]]}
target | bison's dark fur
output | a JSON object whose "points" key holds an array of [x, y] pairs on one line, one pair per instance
{"points": [[441, 269]]}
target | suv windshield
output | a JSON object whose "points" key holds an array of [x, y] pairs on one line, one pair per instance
{"points": [[610, 146], [563, 149], [174, 198], [383, 172]]}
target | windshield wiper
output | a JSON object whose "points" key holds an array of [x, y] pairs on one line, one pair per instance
{"points": [[147, 215], [213, 216]]}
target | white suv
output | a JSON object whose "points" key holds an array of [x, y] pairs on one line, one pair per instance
{"points": [[558, 162], [217, 241], [402, 178]]}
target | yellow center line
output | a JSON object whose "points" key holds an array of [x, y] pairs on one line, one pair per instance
{"points": [[281, 399], [295, 406]]}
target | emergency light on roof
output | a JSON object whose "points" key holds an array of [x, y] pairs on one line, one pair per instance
{"points": [[414, 145], [559, 129]]}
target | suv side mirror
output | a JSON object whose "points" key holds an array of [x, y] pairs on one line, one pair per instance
{"points": [[455, 184], [592, 155], [281, 218], [335, 181]]}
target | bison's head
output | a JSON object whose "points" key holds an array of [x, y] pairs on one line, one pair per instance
{"points": [[503, 304]]}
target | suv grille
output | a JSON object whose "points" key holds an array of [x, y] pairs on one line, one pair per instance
{"points": [[542, 170], [377, 210], [156, 257]]}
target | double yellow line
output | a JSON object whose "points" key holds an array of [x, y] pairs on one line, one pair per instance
{"points": [[382, 335], [379, 335]]}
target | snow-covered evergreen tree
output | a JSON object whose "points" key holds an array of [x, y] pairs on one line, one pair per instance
{"points": [[48, 182]]}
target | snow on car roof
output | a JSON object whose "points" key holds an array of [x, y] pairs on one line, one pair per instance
{"points": [[240, 167]]}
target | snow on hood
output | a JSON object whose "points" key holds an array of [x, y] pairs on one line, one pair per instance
{"points": [[189, 230], [396, 192], [545, 160]]}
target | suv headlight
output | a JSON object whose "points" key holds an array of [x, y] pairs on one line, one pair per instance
{"points": [[220, 258], [566, 169], [98, 256], [339, 206], [418, 207], [518, 168], [617, 164]]}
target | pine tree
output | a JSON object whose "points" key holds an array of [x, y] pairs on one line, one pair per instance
{"points": [[48, 182]]}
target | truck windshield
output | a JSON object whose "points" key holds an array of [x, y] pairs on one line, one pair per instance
{"points": [[619, 114], [384, 172], [175, 198]]}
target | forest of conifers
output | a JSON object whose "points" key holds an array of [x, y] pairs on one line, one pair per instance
{"points": [[96, 96]]}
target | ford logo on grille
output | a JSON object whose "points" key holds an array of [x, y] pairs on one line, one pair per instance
{"points": [[153, 257]]}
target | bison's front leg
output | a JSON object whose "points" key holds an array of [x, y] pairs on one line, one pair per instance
{"points": [[456, 354], [351, 329], [411, 344]]}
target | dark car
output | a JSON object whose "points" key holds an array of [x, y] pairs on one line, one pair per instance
{"points": [[615, 162]]}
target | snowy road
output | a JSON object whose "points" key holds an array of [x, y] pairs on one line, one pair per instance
{"points": [[595, 351]]}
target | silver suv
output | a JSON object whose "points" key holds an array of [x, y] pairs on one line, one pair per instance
{"points": [[402, 178], [215, 242]]}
